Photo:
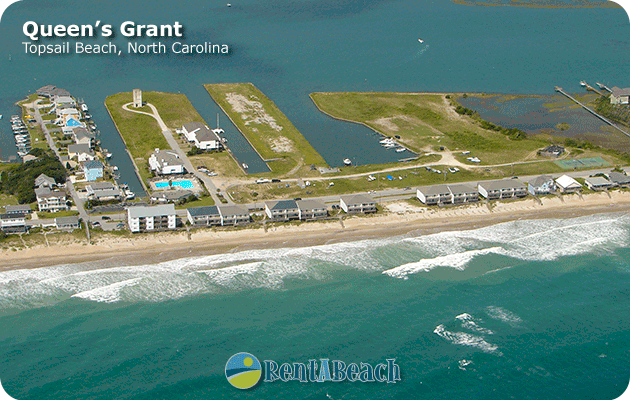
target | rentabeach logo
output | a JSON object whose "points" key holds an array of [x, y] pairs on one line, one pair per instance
{"points": [[243, 371]]}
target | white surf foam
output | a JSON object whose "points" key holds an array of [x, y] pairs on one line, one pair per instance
{"points": [[107, 294], [468, 322], [456, 260], [467, 339], [503, 315]]}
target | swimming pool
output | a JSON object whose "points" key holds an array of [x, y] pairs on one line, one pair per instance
{"points": [[186, 184]]}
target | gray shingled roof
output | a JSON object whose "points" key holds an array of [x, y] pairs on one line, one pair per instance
{"points": [[502, 184], [74, 220], [151, 211], [18, 208], [434, 190], [230, 211], [460, 188], [310, 205], [204, 210], [282, 205], [357, 199], [540, 180], [619, 178]]}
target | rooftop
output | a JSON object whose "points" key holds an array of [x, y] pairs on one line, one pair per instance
{"points": [[204, 210], [434, 190], [74, 220], [502, 184], [229, 211], [310, 205], [281, 205], [151, 211], [357, 199]]}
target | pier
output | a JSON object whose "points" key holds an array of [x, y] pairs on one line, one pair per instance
{"points": [[606, 120]]}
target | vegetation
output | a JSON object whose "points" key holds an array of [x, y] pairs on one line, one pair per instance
{"points": [[19, 180], [615, 112], [268, 130]]}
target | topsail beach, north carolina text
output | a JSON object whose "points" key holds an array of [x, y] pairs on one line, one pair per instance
{"points": [[130, 48]]}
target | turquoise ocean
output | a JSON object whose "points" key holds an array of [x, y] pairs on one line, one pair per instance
{"points": [[532, 309]]}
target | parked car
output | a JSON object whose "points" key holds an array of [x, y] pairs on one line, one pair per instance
{"points": [[105, 217]]}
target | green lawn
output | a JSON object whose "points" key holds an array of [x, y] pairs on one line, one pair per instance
{"points": [[48, 215], [141, 133], [204, 201], [175, 109], [268, 130]]}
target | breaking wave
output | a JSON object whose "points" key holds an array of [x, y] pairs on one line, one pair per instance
{"points": [[269, 269]]}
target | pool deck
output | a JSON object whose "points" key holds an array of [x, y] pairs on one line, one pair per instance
{"points": [[196, 187]]}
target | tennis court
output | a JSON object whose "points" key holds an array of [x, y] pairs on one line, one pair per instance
{"points": [[592, 162]]}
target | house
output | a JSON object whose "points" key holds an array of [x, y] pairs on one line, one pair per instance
{"points": [[234, 215], [58, 92], [432, 195], [60, 99], [552, 151], [282, 210], [18, 209], [165, 162], [202, 136], [151, 218], [502, 189], [82, 152], [67, 223], [80, 135], [544, 184], [45, 181], [311, 209], [50, 201], [619, 179], [93, 170], [63, 111], [463, 193], [620, 96], [203, 216], [357, 203], [45, 90], [13, 223], [103, 191], [568, 184], [171, 196], [598, 183]]}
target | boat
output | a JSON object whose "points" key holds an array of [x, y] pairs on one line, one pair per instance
{"points": [[115, 168], [245, 166], [347, 161], [108, 155], [0, 116], [582, 83], [420, 40], [400, 150], [129, 195], [84, 107], [388, 140], [389, 145]]}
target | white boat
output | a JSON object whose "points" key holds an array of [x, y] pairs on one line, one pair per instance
{"points": [[84, 107], [347, 161], [582, 83], [129, 195], [115, 168], [420, 40], [108, 155], [389, 145], [245, 166], [0, 116], [400, 150], [385, 141]]}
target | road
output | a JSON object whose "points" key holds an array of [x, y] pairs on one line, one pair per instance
{"points": [[168, 135]]}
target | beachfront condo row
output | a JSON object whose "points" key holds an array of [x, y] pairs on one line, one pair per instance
{"points": [[151, 218]]}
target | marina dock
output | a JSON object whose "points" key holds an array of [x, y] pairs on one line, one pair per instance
{"points": [[606, 120]]}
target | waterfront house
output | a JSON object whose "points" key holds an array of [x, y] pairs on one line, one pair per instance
{"points": [[541, 185], [201, 136], [67, 223], [59, 100], [69, 123], [566, 184], [434, 195], [463, 193], [311, 209], [82, 152], [234, 215], [171, 196], [151, 218], [93, 170], [103, 191], [552, 151], [357, 203], [64, 111], [620, 96], [50, 201], [80, 135], [13, 223], [598, 183], [18, 209], [165, 162], [502, 189], [45, 91], [619, 179], [58, 92], [44, 180], [282, 210], [203, 216]]}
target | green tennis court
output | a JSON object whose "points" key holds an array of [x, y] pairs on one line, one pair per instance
{"points": [[592, 162]]}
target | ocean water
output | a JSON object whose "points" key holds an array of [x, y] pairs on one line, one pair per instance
{"points": [[532, 309], [524, 310]]}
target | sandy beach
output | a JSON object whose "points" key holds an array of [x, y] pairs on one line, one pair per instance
{"points": [[401, 218]]}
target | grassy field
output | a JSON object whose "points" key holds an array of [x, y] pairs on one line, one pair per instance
{"points": [[426, 122], [141, 133], [268, 130], [175, 109]]}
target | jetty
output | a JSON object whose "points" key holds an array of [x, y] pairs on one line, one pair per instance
{"points": [[606, 120]]}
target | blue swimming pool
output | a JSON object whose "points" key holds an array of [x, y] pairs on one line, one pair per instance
{"points": [[186, 184]]}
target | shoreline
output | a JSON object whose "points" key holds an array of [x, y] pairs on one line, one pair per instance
{"points": [[403, 219]]}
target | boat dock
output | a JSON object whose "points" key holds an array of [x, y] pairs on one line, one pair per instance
{"points": [[606, 120], [591, 88], [604, 87]]}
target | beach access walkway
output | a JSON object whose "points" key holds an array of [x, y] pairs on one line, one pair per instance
{"points": [[168, 135]]}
